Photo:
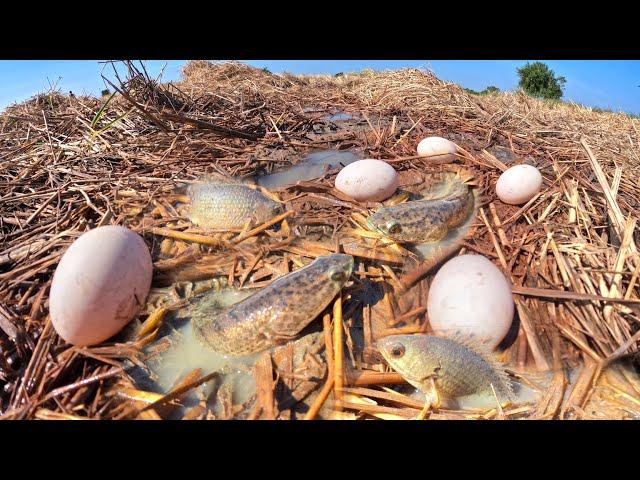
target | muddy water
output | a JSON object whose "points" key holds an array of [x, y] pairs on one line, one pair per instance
{"points": [[186, 352], [181, 352], [339, 117]]}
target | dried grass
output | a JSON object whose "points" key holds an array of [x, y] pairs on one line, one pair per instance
{"points": [[70, 163]]}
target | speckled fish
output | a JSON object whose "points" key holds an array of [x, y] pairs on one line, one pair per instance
{"points": [[460, 368], [229, 205], [277, 313], [427, 219]]}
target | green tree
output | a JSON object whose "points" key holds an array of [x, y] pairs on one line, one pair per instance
{"points": [[538, 80]]}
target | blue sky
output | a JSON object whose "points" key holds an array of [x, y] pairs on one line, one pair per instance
{"points": [[598, 83]]}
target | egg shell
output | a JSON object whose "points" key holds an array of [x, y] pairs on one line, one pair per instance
{"points": [[367, 180], [518, 184], [470, 295], [438, 147], [99, 285]]}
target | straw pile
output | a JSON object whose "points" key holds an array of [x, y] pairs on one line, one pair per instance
{"points": [[73, 163]]}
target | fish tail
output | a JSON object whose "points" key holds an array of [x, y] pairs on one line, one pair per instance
{"points": [[504, 387]]}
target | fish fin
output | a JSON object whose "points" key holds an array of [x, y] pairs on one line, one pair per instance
{"points": [[221, 179], [482, 349], [451, 182], [202, 305], [401, 197], [268, 194], [465, 176], [218, 179], [437, 191], [195, 188], [283, 339], [446, 246]]}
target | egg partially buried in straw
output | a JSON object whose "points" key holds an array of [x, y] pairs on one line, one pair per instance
{"points": [[470, 295], [437, 147], [367, 180], [518, 184], [100, 283]]}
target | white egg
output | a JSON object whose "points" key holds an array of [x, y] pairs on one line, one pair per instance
{"points": [[519, 184], [367, 180], [99, 285], [437, 147], [470, 295]]}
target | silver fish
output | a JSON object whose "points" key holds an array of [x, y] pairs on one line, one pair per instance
{"points": [[229, 205]]}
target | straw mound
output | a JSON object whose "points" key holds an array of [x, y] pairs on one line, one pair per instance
{"points": [[73, 163]]}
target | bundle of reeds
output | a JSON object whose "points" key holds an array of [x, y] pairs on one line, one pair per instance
{"points": [[70, 163]]}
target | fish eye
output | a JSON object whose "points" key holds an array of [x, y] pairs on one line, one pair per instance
{"points": [[393, 227], [338, 276], [397, 350]]}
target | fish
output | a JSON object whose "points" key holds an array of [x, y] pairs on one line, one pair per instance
{"points": [[460, 367], [219, 205], [430, 218], [275, 314], [312, 166]]}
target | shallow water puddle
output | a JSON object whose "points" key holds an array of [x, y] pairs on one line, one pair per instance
{"points": [[186, 353], [183, 352], [339, 116], [312, 166]]}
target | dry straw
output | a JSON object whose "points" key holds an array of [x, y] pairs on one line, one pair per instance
{"points": [[72, 163]]}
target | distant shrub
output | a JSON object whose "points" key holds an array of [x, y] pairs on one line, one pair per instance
{"points": [[538, 80], [608, 110], [105, 92], [266, 70], [486, 91]]}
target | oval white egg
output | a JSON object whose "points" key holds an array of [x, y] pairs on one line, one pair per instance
{"points": [[518, 184], [367, 180], [438, 147], [470, 295], [100, 283]]}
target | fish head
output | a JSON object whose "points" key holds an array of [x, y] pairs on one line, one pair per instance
{"points": [[275, 208], [318, 283], [267, 208], [387, 222], [338, 268], [407, 355], [330, 271]]}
